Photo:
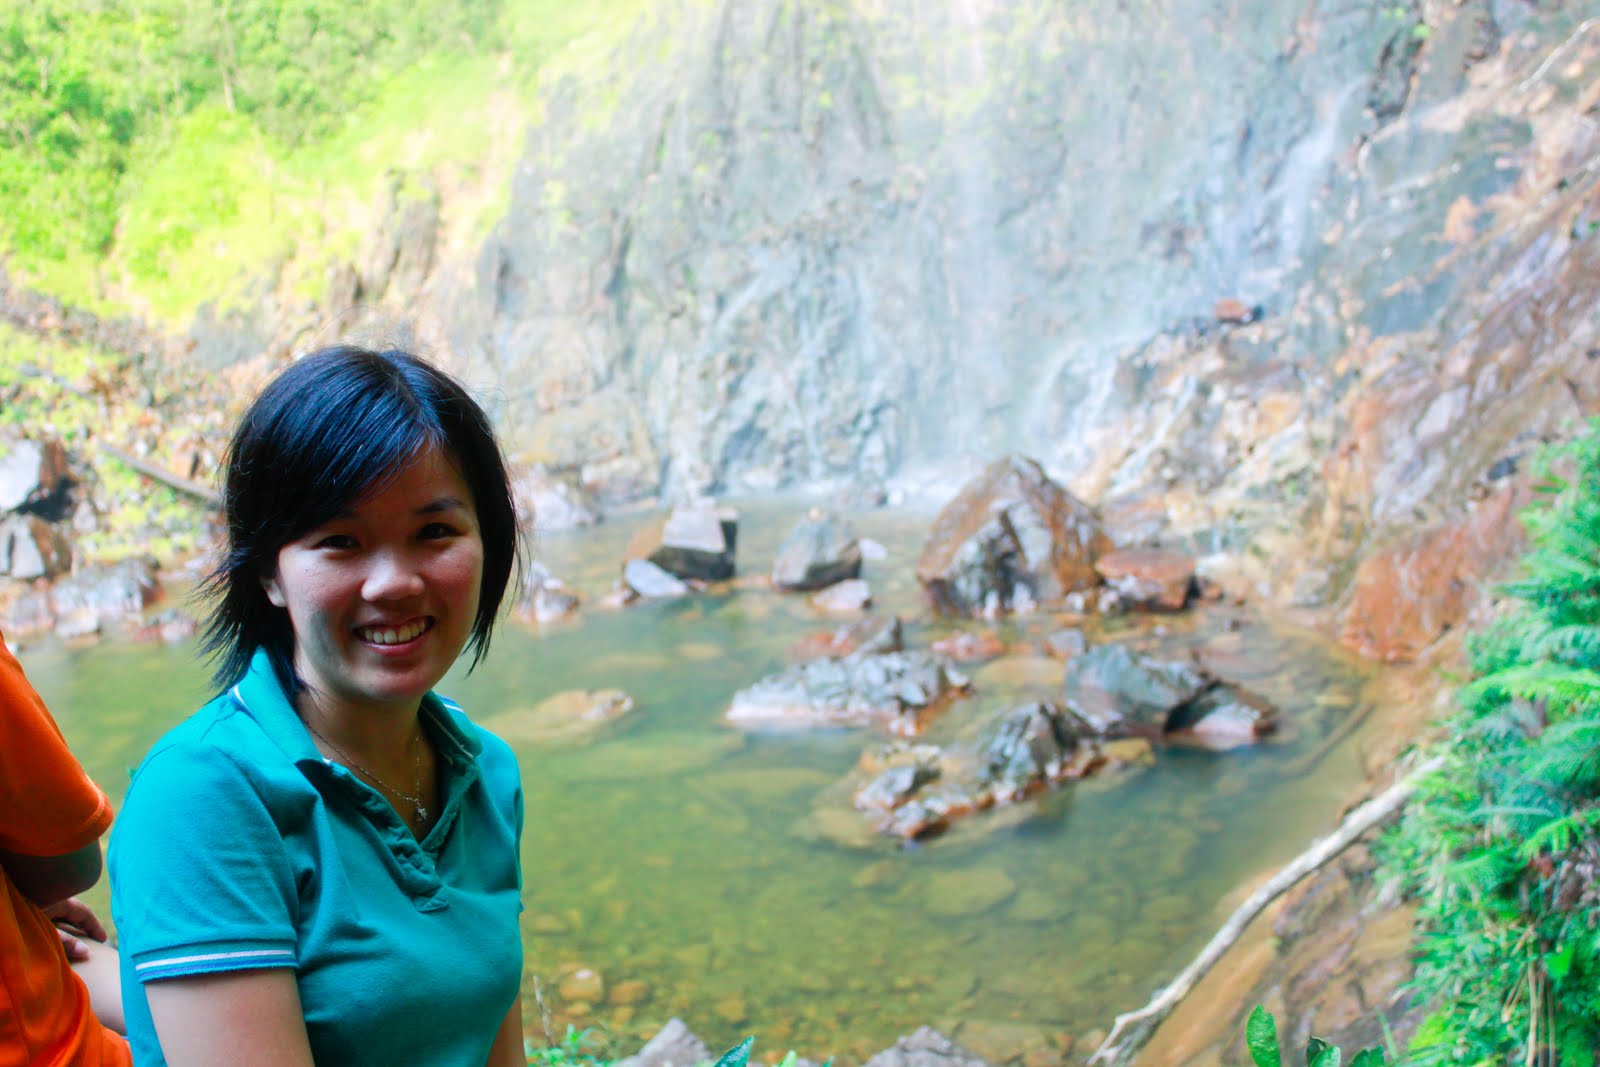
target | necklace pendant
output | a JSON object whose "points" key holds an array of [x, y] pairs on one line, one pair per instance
{"points": [[422, 813]]}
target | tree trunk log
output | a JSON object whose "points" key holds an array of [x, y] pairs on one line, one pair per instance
{"points": [[1142, 1023]]}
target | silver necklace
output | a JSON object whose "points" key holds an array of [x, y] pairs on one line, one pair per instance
{"points": [[414, 800]]}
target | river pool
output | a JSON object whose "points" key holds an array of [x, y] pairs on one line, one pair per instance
{"points": [[682, 861]]}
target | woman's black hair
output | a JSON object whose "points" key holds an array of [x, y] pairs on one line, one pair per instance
{"points": [[323, 434]]}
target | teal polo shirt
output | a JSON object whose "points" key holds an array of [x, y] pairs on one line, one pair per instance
{"points": [[240, 847]]}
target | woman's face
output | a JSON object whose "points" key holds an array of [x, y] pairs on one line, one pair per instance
{"points": [[382, 597]]}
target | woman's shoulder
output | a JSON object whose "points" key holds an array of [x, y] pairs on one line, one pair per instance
{"points": [[220, 741]]}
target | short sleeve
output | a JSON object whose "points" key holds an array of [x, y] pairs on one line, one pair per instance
{"points": [[503, 778], [201, 877], [48, 805]]}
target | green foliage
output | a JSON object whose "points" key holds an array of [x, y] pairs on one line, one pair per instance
{"points": [[83, 82], [154, 149], [575, 1049], [1261, 1037], [1501, 846]]}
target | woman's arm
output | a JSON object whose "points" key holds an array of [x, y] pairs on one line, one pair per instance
{"points": [[507, 1050], [212, 1020]]}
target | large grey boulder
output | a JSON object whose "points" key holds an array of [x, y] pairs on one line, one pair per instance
{"points": [[1120, 692], [31, 471], [698, 541], [1033, 745], [895, 689], [1010, 541], [32, 548], [821, 549]]}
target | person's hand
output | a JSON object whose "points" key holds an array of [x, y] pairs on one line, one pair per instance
{"points": [[73, 921]]}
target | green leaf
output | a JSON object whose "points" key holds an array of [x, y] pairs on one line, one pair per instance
{"points": [[1372, 1057], [1317, 1053], [1559, 962], [1261, 1035], [738, 1055]]}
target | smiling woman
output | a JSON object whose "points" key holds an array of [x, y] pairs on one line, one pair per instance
{"points": [[322, 863]]}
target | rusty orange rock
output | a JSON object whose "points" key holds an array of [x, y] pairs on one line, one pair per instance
{"points": [[1405, 597]]}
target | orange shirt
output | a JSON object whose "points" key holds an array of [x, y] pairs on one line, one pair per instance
{"points": [[48, 807]]}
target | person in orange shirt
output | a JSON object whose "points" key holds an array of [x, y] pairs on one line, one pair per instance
{"points": [[58, 992]]}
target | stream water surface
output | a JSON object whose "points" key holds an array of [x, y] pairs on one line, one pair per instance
{"points": [[686, 863]]}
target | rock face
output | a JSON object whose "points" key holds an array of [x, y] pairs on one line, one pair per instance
{"points": [[821, 549], [897, 690], [1406, 595], [1011, 540]]}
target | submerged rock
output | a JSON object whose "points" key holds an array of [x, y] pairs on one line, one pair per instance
{"points": [[648, 580], [821, 549], [957, 894], [870, 635], [1010, 541], [895, 689], [567, 717]]}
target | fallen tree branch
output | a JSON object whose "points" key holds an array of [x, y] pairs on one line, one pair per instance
{"points": [[1140, 1024], [165, 477]]}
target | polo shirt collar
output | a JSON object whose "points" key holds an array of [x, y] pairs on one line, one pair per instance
{"points": [[264, 700]]}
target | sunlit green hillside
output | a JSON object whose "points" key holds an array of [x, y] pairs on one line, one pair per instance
{"points": [[157, 153]]}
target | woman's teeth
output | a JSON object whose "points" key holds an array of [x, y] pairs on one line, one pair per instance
{"points": [[387, 636]]}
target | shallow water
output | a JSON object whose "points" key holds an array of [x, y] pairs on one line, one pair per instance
{"points": [[677, 853]]}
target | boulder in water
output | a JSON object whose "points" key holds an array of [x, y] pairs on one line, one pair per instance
{"points": [[821, 549], [897, 689], [698, 542], [1036, 744], [1222, 718], [844, 598], [1149, 579], [1011, 540], [1119, 692]]}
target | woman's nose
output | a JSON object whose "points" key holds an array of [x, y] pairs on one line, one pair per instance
{"points": [[392, 576]]}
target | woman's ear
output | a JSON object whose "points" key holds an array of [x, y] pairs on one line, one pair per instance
{"points": [[274, 590]]}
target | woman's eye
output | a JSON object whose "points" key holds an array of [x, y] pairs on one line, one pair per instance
{"points": [[336, 542], [435, 530]]}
